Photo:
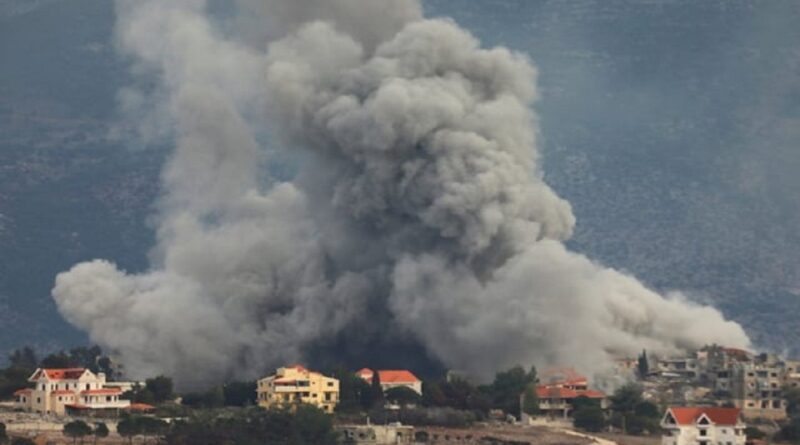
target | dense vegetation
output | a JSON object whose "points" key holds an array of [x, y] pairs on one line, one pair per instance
{"points": [[306, 425], [790, 432]]}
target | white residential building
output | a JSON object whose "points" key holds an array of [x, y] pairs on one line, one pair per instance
{"points": [[65, 391], [703, 426]]}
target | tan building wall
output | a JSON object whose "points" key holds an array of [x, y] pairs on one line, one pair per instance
{"points": [[296, 384]]}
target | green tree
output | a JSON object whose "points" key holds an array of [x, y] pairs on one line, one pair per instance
{"points": [[530, 400], [353, 392], [643, 366], [376, 390], [58, 360], [104, 366], [432, 394], [22, 441], [631, 412], [212, 398], [86, 357], [77, 429], [402, 395], [626, 398], [161, 387], [590, 418], [752, 432], [312, 426], [306, 425], [791, 431], [792, 396], [100, 431], [151, 426], [128, 427], [647, 409], [508, 386], [239, 393], [24, 358]]}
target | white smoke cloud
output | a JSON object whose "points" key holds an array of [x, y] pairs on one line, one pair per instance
{"points": [[418, 192]]}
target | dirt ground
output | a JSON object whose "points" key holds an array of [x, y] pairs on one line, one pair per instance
{"points": [[631, 440], [480, 434]]}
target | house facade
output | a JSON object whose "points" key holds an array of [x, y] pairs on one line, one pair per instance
{"points": [[559, 388], [393, 379], [703, 426], [64, 391], [296, 384]]}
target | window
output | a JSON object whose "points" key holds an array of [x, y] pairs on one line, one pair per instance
{"points": [[330, 384], [703, 433], [88, 386]]}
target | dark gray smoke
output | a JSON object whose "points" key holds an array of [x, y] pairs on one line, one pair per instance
{"points": [[418, 193]]}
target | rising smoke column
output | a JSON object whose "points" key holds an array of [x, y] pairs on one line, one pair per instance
{"points": [[418, 192]]}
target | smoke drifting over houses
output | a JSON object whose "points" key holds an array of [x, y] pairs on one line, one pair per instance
{"points": [[418, 205]]}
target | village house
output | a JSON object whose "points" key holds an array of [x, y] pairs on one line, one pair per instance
{"points": [[703, 426], [393, 379], [296, 384], [559, 388], [70, 391]]}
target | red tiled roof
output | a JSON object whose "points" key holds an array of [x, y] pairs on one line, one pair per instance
{"points": [[739, 354], [77, 406], [559, 392], [103, 391], [59, 373], [389, 375], [23, 392], [141, 407], [718, 416], [565, 376]]}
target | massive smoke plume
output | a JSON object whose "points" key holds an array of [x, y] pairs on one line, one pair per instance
{"points": [[418, 205]]}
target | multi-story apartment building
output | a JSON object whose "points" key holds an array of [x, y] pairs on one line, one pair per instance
{"points": [[757, 388], [792, 374], [296, 384], [393, 379], [64, 391], [703, 426], [686, 368]]}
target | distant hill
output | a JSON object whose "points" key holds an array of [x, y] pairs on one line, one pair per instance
{"points": [[672, 126]]}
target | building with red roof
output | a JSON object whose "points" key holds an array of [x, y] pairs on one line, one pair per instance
{"points": [[702, 425], [393, 378], [558, 390], [60, 390]]}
